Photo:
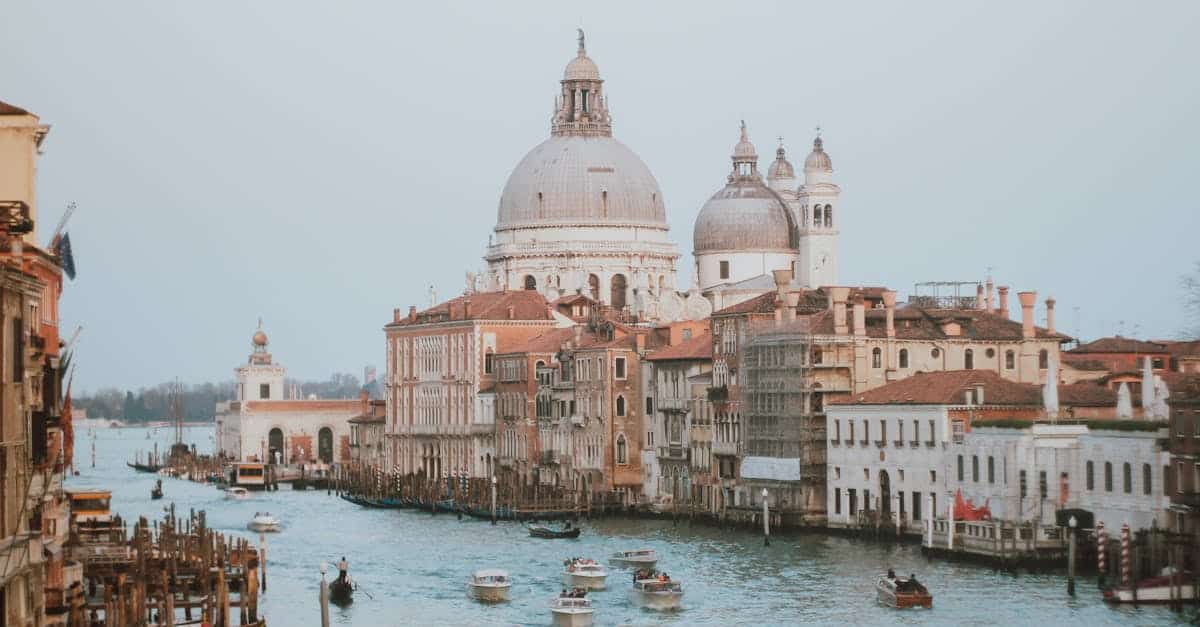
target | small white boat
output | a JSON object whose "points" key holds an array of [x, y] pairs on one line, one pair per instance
{"points": [[641, 558], [491, 585], [1169, 586], [571, 612], [237, 493], [657, 594], [584, 573], [902, 592], [263, 521]]}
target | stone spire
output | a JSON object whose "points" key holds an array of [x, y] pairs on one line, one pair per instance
{"points": [[580, 108], [745, 158]]}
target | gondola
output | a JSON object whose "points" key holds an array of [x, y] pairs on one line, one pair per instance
{"points": [[538, 531], [341, 591], [156, 492], [144, 467]]}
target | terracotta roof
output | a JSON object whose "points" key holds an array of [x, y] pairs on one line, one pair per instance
{"points": [[761, 304], [1086, 394], [946, 388], [367, 419], [1183, 349], [1078, 363], [549, 342], [1182, 386], [1118, 344], [525, 304], [571, 299], [698, 348], [920, 323], [304, 405], [7, 109]]}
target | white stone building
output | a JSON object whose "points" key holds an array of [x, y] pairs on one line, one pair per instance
{"points": [[260, 424], [581, 212]]}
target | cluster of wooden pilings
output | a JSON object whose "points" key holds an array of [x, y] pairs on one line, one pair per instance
{"points": [[174, 572], [514, 499]]}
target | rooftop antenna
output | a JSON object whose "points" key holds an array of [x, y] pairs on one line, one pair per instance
{"points": [[1078, 337]]}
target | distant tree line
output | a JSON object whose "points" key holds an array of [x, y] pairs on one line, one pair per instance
{"points": [[199, 399]]}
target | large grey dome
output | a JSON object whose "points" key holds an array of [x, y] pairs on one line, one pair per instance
{"points": [[745, 216], [581, 180]]}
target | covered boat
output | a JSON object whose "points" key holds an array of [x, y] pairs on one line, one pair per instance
{"points": [[656, 591], [492, 585], [584, 573], [540, 531], [641, 558], [263, 521], [571, 611], [1169, 587], [901, 592]]}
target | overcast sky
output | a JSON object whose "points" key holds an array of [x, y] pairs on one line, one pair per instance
{"points": [[318, 164]]}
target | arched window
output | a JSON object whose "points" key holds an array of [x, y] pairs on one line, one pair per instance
{"points": [[1091, 475], [876, 358], [1108, 476], [969, 359], [594, 286], [1044, 359], [816, 215], [530, 282], [325, 445], [804, 221], [1147, 485], [1010, 360], [620, 405], [904, 358], [275, 444], [617, 293], [828, 216], [1128, 478], [622, 456]]}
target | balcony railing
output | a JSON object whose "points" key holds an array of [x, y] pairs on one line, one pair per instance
{"points": [[864, 443], [725, 448], [880, 443], [898, 443], [674, 404], [835, 443], [914, 443], [673, 453], [849, 443], [1190, 498], [930, 444]]}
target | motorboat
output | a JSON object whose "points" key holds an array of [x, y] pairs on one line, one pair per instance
{"points": [[902, 592], [1156, 589], [264, 521], [584, 573], [492, 585], [656, 591], [641, 558], [571, 611], [540, 531], [237, 493]]}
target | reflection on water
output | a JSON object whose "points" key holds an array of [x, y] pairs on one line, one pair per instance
{"points": [[412, 567]]}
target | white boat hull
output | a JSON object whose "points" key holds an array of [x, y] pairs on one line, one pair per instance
{"points": [[585, 581], [263, 526], [488, 594], [1153, 594], [656, 600], [631, 562], [572, 618]]}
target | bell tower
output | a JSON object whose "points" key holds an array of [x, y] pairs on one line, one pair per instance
{"points": [[818, 212]]}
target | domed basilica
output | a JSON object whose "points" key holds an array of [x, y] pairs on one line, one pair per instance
{"points": [[581, 213]]}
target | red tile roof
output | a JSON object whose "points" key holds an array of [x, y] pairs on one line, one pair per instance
{"points": [[547, 343], [761, 304], [947, 388], [7, 109], [1086, 394], [1183, 349], [525, 304], [700, 347], [1079, 363], [1118, 344]]}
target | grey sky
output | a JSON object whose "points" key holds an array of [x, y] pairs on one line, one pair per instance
{"points": [[321, 163]]}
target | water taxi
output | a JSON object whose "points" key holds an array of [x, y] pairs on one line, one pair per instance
{"points": [[1155, 589], [584, 573], [902, 592], [656, 592], [236, 493], [264, 521], [571, 612], [90, 508], [250, 475], [492, 585], [641, 558]]}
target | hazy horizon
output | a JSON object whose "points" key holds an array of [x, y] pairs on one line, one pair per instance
{"points": [[321, 165]]}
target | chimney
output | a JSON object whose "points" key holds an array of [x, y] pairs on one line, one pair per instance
{"points": [[412, 313], [639, 340], [467, 308], [1050, 315], [1003, 301], [396, 315], [990, 301], [782, 278], [860, 317], [979, 394], [979, 302], [889, 303], [578, 334], [837, 300], [1027, 301], [365, 400], [793, 301]]}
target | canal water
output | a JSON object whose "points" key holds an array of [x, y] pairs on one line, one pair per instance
{"points": [[412, 567]]}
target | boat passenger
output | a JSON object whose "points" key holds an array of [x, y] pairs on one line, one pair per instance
{"points": [[343, 566], [891, 574]]}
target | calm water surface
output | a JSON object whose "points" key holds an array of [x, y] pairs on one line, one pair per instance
{"points": [[412, 567]]}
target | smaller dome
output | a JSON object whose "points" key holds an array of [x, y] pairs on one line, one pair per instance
{"points": [[781, 168], [581, 68], [818, 159], [744, 150], [260, 338]]}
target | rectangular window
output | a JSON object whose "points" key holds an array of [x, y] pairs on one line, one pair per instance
{"points": [[991, 469], [264, 390], [837, 500], [649, 405], [724, 269], [853, 501], [958, 428], [975, 468], [916, 431], [1023, 489], [619, 367], [866, 499], [1090, 475], [1108, 478], [1043, 489], [883, 431], [900, 500], [932, 432], [488, 364], [916, 506], [960, 468], [1147, 480], [933, 505], [18, 350]]}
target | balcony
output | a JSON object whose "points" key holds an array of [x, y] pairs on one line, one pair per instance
{"points": [[898, 443], [880, 443], [864, 443], [726, 448], [914, 444], [930, 444], [676, 405], [549, 457], [674, 453], [849, 443], [1190, 498], [835, 443], [578, 421]]}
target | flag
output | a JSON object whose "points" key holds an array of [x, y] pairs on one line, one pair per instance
{"points": [[65, 258]]}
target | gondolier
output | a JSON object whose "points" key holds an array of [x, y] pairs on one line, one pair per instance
{"points": [[343, 567]]}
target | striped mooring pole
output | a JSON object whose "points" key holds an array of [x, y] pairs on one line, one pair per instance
{"points": [[1125, 555], [1100, 557]]}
